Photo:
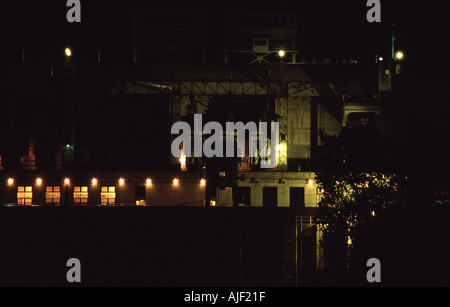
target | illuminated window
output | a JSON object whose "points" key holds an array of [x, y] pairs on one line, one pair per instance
{"points": [[80, 195], [108, 195], [24, 195], [53, 195]]}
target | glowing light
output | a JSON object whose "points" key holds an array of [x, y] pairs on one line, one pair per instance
{"points": [[202, 181], [66, 180], [183, 162], [10, 181], [148, 181], [121, 181], [372, 213], [349, 241], [310, 181], [68, 52], [380, 59], [175, 181], [281, 53], [212, 203], [282, 146], [94, 181], [399, 55], [38, 181]]}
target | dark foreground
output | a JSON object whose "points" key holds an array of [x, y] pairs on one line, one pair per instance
{"points": [[196, 247]]}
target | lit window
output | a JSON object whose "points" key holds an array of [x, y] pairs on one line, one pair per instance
{"points": [[53, 195], [108, 195], [80, 195], [24, 195]]}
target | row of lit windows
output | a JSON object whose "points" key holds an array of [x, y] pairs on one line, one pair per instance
{"points": [[53, 195], [94, 181]]}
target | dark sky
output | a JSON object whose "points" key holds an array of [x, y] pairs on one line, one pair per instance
{"points": [[326, 28]]}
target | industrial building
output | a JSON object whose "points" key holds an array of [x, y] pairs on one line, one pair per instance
{"points": [[91, 116]]}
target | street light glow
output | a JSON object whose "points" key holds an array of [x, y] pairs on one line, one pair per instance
{"points": [[68, 52], [399, 55], [67, 181], [281, 53], [10, 181]]}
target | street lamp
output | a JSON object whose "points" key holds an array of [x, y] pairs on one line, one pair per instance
{"points": [[68, 52], [281, 53], [399, 55]]}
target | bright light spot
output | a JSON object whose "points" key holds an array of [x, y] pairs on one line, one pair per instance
{"points": [[39, 181], [10, 181], [310, 181], [66, 180], [372, 213], [121, 181], [183, 162], [175, 181], [94, 181], [212, 203], [349, 240], [380, 59], [202, 181], [281, 53], [148, 181], [68, 52], [399, 55], [281, 146]]}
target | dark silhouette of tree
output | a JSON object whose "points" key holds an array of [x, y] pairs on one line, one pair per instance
{"points": [[360, 186]]}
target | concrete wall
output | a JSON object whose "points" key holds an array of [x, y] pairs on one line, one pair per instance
{"points": [[299, 127], [161, 192], [283, 181]]}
